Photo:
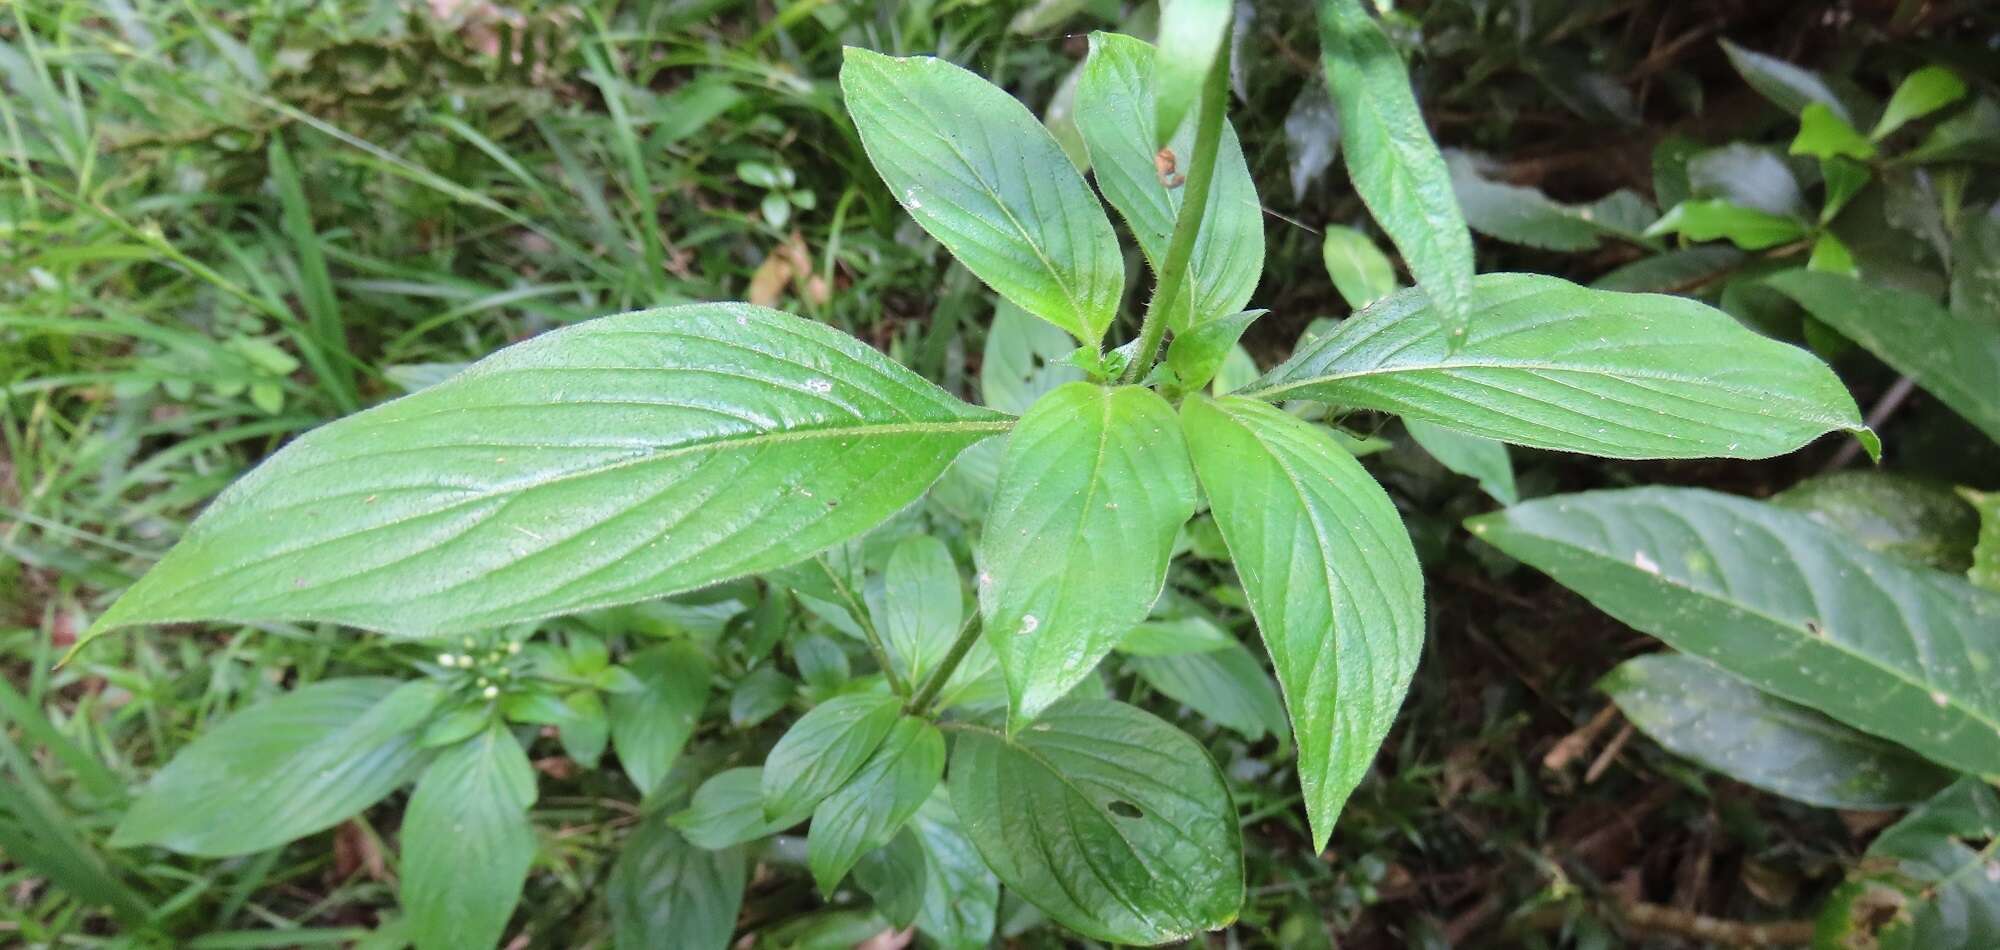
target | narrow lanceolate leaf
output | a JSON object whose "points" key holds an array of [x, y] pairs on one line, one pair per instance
{"points": [[1191, 35], [467, 843], [1787, 86], [665, 892], [649, 726], [1955, 359], [1112, 822], [975, 168], [1784, 603], [868, 811], [1723, 723], [824, 749], [283, 769], [613, 461], [1094, 486], [1331, 577], [1396, 167], [1557, 366], [1920, 94], [1114, 111]]}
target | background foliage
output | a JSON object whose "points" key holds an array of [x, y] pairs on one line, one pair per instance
{"points": [[227, 223]]}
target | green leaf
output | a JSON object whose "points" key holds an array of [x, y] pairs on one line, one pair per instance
{"points": [[1095, 485], [1788, 605], [1831, 256], [1226, 686], [283, 769], [868, 811], [1955, 360], [1787, 86], [919, 606], [612, 461], [976, 169], [728, 810], [1747, 176], [1822, 134], [1114, 111], [1720, 722], [1903, 517], [758, 696], [961, 896], [824, 749], [1677, 271], [1331, 577], [1526, 216], [1191, 35], [649, 727], [1557, 366], [1196, 355], [585, 731], [1920, 94], [1844, 179], [1481, 459], [665, 892], [1360, 271], [467, 843], [1112, 822], [1975, 270], [1922, 883], [1396, 168], [1985, 569], [1973, 134], [1710, 219], [1023, 359], [1174, 637], [893, 875]]}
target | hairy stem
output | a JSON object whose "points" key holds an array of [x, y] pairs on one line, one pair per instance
{"points": [[1194, 201], [967, 636], [867, 624]]}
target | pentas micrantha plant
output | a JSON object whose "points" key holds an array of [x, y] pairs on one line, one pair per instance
{"points": [[649, 453]]}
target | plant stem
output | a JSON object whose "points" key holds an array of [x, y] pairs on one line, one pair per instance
{"points": [[1194, 202], [868, 631], [967, 636]]}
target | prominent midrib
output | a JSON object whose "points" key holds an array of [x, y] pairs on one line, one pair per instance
{"points": [[1270, 392]]}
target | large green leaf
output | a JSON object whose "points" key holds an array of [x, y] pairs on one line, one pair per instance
{"points": [[1904, 517], [1396, 167], [616, 460], [1332, 579], [1701, 713], [285, 768], [824, 749], [651, 725], [1114, 106], [1785, 603], [1095, 484], [919, 605], [1957, 360], [467, 843], [665, 892], [1112, 822], [1923, 884], [1557, 366], [868, 811], [974, 167]]}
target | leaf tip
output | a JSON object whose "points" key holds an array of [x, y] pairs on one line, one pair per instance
{"points": [[1870, 442]]}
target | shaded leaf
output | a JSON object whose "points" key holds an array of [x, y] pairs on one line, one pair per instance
{"points": [[1787, 86], [650, 726], [1922, 883], [1225, 686], [467, 843], [824, 749], [919, 606], [728, 810], [1481, 459], [665, 892], [866, 813], [1903, 517]]}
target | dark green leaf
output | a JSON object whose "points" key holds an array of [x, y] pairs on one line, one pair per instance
{"points": [[1679, 271], [1481, 459], [1903, 517], [759, 696], [1115, 107], [1526, 216], [612, 461], [1788, 605], [1786, 85], [665, 892], [467, 843], [866, 813], [824, 749], [1557, 366], [1701, 713], [1975, 270], [1112, 822], [1226, 686], [728, 810], [284, 768], [1396, 168], [961, 896], [894, 876], [984, 177], [1956, 360], [1923, 884], [1331, 577], [649, 727], [1095, 485]]}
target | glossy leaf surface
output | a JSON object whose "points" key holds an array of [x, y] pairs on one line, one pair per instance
{"points": [[1784, 603], [1331, 577], [283, 769], [615, 460], [1094, 487], [979, 172], [1115, 114], [868, 811], [1700, 713], [1557, 366], [467, 843], [1112, 822]]}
